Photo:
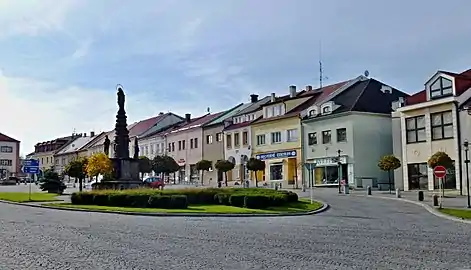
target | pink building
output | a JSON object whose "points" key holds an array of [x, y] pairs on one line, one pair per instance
{"points": [[9, 156]]}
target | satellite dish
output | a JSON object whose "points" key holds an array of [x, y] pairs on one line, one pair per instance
{"points": [[367, 73]]}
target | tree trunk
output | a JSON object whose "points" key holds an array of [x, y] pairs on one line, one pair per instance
{"points": [[202, 179], [256, 180], [80, 184], [389, 176], [225, 176]]}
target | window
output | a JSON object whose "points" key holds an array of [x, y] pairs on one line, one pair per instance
{"points": [[442, 125], [418, 176], [276, 137], [209, 139], [245, 138], [6, 149], [277, 110], [415, 129], [6, 162], [183, 144], [276, 171], [261, 139], [326, 109], [292, 135], [326, 136], [195, 140], [151, 149], [236, 120], [146, 151], [236, 139], [191, 144], [228, 141], [441, 87], [219, 137], [179, 145], [341, 135], [312, 138], [173, 147]]}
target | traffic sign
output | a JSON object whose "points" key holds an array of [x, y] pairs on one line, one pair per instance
{"points": [[439, 171], [310, 166], [33, 170], [31, 163]]}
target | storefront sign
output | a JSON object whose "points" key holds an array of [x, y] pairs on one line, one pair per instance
{"points": [[273, 155], [330, 161]]}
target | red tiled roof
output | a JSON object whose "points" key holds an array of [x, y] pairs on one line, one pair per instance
{"points": [[327, 90], [5, 138], [462, 83], [144, 125], [239, 125]]}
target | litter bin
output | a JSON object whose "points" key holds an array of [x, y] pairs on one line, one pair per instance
{"points": [[435, 199], [421, 196]]}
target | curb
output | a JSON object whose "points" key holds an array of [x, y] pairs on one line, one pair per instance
{"points": [[324, 208], [427, 207]]}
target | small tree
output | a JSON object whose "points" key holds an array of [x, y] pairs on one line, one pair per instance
{"points": [[440, 159], [99, 163], [52, 182], [145, 165], [203, 165], [255, 165], [224, 166], [389, 163], [78, 169], [165, 165]]}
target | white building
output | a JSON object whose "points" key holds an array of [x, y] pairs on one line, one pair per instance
{"points": [[9, 156], [239, 149], [434, 119]]}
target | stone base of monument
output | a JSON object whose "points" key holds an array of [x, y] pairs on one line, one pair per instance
{"points": [[125, 174]]}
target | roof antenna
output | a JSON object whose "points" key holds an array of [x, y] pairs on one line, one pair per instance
{"points": [[208, 110], [321, 70]]}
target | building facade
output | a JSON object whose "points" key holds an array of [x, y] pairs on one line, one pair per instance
{"points": [[44, 151], [431, 121], [70, 152], [9, 156], [237, 136]]}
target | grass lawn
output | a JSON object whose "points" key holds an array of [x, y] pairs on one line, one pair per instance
{"points": [[24, 197], [301, 206], [460, 213]]}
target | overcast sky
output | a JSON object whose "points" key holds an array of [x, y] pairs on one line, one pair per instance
{"points": [[61, 60]]}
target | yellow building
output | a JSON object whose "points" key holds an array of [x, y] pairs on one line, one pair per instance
{"points": [[276, 137], [44, 151]]}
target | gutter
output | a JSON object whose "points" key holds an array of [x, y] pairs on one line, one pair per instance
{"points": [[303, 171], [460, 158]]}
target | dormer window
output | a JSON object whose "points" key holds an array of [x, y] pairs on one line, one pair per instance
{"points": [[326, 109], [441, 87], [313, 113]]}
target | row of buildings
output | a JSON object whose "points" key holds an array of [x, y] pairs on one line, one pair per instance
{"points": [[9, 156], [344, 129]]}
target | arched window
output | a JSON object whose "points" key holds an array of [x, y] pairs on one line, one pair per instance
{"points": [[441, 87]]}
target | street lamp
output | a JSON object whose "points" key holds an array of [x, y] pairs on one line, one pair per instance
{"points": [[339, 163], [466, 161]]}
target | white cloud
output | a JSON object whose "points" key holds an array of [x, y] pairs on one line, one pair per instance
{"points": [[34, 111], [34, 17], [83, 48]]}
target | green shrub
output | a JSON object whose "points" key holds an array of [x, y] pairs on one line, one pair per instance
{"points": [[222, 199], [76, 198], [139, 200], [159, 201], [101, 199], [257, 201], [120, 199], [237, 200], [179, 202]]}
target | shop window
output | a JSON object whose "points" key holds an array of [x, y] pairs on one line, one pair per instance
{"points": [[276, 172], [417, 176], [449, 181]]}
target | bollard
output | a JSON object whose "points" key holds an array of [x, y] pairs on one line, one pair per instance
{"points": [[435, 199], [346, 189], [276, 186], [421, 196], [398, 193], [368, 190]]}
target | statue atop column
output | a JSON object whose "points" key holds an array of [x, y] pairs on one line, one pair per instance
{"points": [[121, 138], [107, 145]]}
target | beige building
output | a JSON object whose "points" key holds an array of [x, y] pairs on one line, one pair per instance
{"points": [[9, 156], [428, 122], [70, 152], [44, 151]]}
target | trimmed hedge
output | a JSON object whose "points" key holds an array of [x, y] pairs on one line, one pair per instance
{"points": [[256, 198]]}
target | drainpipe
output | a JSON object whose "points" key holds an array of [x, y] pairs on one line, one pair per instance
{"points": [[460, 158], [303, 174]]}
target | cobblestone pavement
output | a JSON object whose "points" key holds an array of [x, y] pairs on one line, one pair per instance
{"points": [[356, 233]]}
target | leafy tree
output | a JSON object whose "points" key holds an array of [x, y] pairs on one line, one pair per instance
{"points": [[203, 165], [224, 166], [165, 165], [52, 182], [440, 159], [145, 165], [255, 165], [389, 163], [78, 169], [99, 163]]}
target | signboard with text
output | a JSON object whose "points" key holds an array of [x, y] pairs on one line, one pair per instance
{"points": [[273, 155]]}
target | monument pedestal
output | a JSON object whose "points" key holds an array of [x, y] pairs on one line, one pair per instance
{"points": [[125, 173]]}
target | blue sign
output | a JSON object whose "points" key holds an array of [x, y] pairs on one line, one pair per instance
{"points": [[31, 163], [310, 166], [33, 170], [283, 154], [31, 166]]}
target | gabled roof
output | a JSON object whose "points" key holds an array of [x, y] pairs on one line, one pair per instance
{"points": [[462, 83], [195, 122], [144, 125], [74, 145], [253, 106], [229, 113], [93, 140], [5, 138]]}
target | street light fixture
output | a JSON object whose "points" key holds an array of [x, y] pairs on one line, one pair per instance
{"points": [[466, 161]]}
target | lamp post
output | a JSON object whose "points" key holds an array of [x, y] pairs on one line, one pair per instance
{"points": [[466, 161], [339, 163]]}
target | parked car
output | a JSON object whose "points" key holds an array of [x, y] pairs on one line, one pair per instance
{"points": [[10, 181], [154, 182]]}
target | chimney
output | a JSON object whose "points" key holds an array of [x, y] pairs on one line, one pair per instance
{"points": [[253, 98], [273, 97], [84, 134], [188, 117], [308, 87], [292, 91], [92, 133], [161, 113]]}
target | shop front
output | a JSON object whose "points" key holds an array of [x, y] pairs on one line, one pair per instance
{"points": [[329, 170], [281, 167]]}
